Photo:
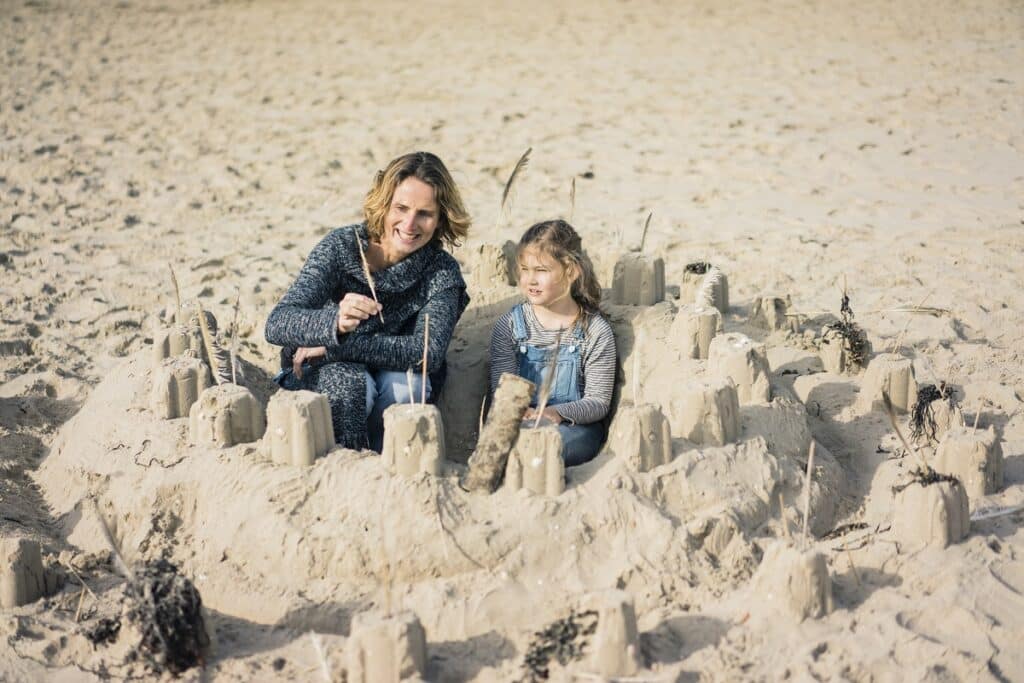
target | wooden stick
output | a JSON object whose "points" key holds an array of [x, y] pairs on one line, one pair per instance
{"points": [[807, 488], [977, 415], [233, 354], [369, 276], [177, 296], [480, 421], [853, 568], [426, 344], [892, 420]]}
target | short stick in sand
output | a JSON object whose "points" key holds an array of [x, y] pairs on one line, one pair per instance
{"points": [[177, 296], [211, 354], [426, 345]]}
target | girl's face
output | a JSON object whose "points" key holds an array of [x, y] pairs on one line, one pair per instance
{"points": [[542, 279]]}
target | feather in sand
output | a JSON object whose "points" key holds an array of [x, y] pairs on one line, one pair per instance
{"points": [[211, 352], [520, 166], [177, 296], [706, 294], [369, 276], [233, 346], [643, 235], [426, 345], [572, 198], [548, 384]]}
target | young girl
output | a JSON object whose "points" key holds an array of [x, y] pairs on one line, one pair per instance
{"points": [[562, 302]]}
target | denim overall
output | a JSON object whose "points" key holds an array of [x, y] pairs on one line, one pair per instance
{"points": [[580, 443]]}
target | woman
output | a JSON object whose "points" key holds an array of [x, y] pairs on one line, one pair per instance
{"points": [[342, 343]]}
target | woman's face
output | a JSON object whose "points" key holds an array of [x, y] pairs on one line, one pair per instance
{"points": [[542, 279], [411, 220]]}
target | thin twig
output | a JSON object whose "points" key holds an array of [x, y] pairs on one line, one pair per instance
{"points": [[79, 577], [520, 165], [807, 488], [480, 421], [849, 556], [426, 345], [369, 276], [81, 601], [977, 415], [892, 419], [177, 296]]}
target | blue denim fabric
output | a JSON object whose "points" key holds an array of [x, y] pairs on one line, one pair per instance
{"points": [[385, 388], [580, 443]]}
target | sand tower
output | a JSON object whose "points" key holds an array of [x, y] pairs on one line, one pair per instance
{"points": [[413, 439]]}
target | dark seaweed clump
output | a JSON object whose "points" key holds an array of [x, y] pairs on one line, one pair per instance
{"points": [[922, 418], [926, 477], [697, 267], [167, 609], [855, 339], [564, 640], [104, 631]]}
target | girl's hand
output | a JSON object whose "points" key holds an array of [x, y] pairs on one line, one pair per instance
{"points": [[550, 415], [354, 309], [303, 354]]}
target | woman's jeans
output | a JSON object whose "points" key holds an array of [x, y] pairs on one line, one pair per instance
{"points": [[385, 388]]}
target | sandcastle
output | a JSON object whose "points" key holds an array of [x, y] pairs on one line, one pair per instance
{"points": [[641, 437], [693, 328], [299, 428], [892, 375], [736, 356], [973, 456], [22, 578], [489, 459], [706, 412], [226, 415], [842, 354], [795, 580], [931, 511], [177, 384], [614, 649], [535, 462], [638, 280], [770, 312], [492, 264], [386, 649], [413, 439], [170, 342], [694, 275]]}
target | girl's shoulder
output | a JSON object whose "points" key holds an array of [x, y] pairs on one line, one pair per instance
{"points": [[598, 324]]}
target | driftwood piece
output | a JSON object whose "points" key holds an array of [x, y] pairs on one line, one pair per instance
{"points": [[487, 464]]}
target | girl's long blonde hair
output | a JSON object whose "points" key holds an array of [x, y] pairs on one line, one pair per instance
{"points": [[560, 241], [453, 220]]}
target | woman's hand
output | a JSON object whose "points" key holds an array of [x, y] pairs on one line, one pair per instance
{"points": [[354, 309], [549, 414], [303, 354]]}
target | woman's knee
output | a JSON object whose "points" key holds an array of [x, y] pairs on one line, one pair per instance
{"points": [[393, 386]]}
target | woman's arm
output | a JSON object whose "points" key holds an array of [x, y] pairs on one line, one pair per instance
{"points": [[401, 352], [301, 317], [599, 378]]}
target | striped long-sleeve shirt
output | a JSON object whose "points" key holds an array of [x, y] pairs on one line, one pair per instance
{"points": [[597, 371]]}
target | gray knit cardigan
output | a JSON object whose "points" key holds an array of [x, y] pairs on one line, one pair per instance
{"points": [[428, 281]]}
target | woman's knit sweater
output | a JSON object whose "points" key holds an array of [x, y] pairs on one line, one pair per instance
{"points": [[428, 281]]}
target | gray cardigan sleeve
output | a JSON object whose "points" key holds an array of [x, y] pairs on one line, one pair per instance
{"points": [[401, 352], [302, 317]]}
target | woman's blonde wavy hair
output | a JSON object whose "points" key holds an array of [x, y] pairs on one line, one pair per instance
{"points": [[560, 241], [453, 220]]}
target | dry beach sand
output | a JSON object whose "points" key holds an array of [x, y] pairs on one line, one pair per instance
{"points": [[799, 147]]}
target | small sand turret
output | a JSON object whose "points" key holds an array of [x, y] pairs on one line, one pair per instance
{"points": [[299, 428], [535, 462], [736, 356], [226, 415], [973, 456], [638, 280], [386, 649], [706, 412], [177, 384], [413, 439], [640, 436]]}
